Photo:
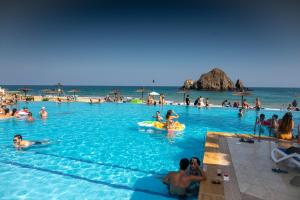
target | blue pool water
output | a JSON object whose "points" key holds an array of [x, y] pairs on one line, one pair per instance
{"points": [[98, 151]]}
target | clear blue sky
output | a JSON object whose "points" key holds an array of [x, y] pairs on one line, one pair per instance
{"points": [[134, 42]]}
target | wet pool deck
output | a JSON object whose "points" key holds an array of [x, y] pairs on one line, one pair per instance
{"points": [[250, 170]]}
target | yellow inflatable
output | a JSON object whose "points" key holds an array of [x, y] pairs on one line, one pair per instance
{"points": [[162, 126]]}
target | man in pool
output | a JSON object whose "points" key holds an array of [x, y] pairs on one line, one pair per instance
{"points": [[178, 182], [20, 143]]}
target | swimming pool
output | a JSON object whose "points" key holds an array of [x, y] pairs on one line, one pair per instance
{"points": [[98, 151]]}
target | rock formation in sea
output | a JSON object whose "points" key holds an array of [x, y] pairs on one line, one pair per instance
{"points": [[215, 80]]}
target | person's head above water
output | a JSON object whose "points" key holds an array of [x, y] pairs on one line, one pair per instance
{"points": [[157, 112], [275, 116], [194, 162], [184, 163], [17, 139], [262, 116]]}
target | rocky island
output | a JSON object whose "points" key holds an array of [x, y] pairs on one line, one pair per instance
{"points": [[214, 80]]}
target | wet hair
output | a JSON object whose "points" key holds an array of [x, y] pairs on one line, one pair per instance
{"points": [[18, 136], [6, 110], [184, 163], [286, 124], [30, 114], [13, 112], [197, 159], [157, 112], [169, 113], [262, 116], [240, 110], [275, 116]]}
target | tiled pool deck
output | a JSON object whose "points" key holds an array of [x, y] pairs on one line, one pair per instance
{"points": [[250, 170]]}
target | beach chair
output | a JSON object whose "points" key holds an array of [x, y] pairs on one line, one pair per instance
{"points": [[279, 155]]}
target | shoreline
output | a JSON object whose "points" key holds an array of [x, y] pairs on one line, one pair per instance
{"points": [[86, 99]]}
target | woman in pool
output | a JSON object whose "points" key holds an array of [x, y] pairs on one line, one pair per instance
{"points": [[170, 123], [195, 170], [286, 125]]}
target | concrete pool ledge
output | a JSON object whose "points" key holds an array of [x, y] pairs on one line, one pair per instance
{"points": [[249, 167]]}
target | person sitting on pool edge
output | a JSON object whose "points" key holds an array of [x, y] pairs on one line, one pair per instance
{"points": [[158, 117], [20, 143], [178, 182]]}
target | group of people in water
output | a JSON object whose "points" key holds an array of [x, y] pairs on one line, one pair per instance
{"points": [[170, 123], [24, 113], [279, 128]]}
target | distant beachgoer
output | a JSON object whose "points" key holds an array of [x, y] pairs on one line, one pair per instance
{"points": [[20, 143], [170, 119], [187, 100], [298, 134], [200, 102], [13, 113], [257, 104], [206, 102], [245, 104], [178, 182], [224, 102], [241, 112], [236, 104], [196, 101], [30, 118], [289, 108], [158, 117], [294, 103], [273, 124], [43, 113], [286, 125]]}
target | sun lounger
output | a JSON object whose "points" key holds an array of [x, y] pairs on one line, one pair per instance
{"points": [[279, 155]]}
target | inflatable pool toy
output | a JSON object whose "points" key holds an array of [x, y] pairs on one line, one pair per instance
{"points": [[22, 113], [136, 101], [161, 126], [146, 123]]}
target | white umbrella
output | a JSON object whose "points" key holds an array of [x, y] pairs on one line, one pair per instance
{"points": [[154, 93]]}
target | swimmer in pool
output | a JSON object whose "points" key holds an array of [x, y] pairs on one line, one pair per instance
{"points": [[20, 143], [30, 118], [158, 117], [178, 182], [43, 113]]}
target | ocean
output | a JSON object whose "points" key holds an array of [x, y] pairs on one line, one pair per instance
{"points": [[270, 97]]}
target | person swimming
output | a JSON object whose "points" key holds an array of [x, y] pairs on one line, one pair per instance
{"points": [[20, 143], [158, 117]]}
